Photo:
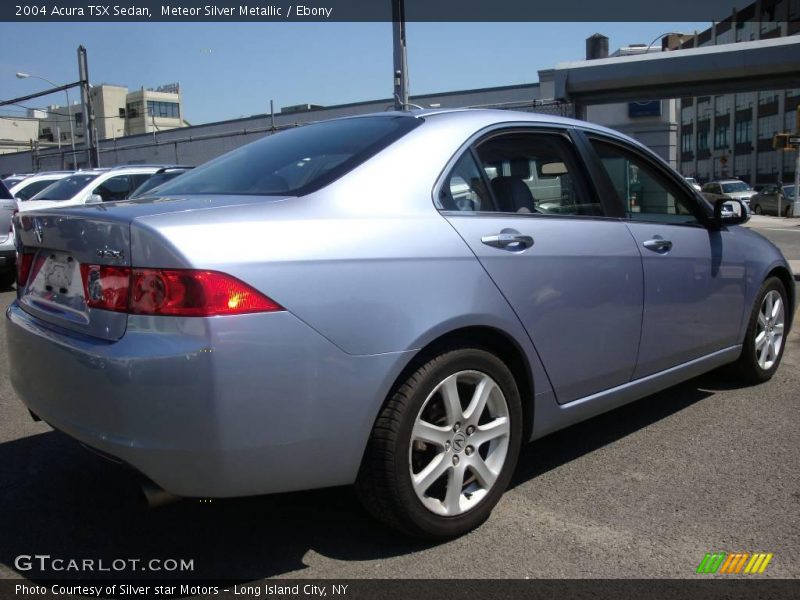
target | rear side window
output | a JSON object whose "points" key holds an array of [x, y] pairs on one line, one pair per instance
{"points": [[4, 193], [297, 161]]}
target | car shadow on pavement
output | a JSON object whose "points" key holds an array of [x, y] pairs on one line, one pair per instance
{"points": [[61, 500]]}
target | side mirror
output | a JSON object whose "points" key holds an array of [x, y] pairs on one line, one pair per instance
{"points": [[731, 211], [94, 199]]}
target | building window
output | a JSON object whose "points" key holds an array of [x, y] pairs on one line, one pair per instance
{"points": [[741, 166], [168, 110], [686, 142], [121, 113], [744, 101], [742, 132], [702, 140], [722, 105], [702, 170], [78, 119], [766, 166], [721, 136], [134, 109], [790, 121], [767, 97], [767, 127], [687, 112]]}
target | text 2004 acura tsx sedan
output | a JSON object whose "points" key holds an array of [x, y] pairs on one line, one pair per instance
{"points": [[397, 301]]}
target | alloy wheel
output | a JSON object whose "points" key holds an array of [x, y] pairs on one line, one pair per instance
{"points": [[459, 443], [769, 330]]}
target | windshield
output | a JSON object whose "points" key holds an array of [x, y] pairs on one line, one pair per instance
{"points": [[736, 186], [296, 161], [155, 181], [66, 188]]}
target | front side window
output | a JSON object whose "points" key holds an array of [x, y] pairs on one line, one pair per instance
{"points": [[524, 173], [114, 188], [296, 161], [645, 192]]}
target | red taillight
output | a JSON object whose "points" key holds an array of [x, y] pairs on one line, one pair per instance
{"points": [[170, 292], [24, 262]]}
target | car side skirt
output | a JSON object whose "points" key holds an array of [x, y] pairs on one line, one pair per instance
{"points": [[551, 416]]}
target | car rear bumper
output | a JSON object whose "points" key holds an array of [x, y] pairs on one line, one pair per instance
{"points": [[227, 406]]}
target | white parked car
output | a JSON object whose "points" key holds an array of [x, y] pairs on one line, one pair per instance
{"points": [[27, 187], [693, 182], [91, 186]]}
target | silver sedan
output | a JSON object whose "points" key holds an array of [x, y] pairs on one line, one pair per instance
{"points": [[399, 302]]}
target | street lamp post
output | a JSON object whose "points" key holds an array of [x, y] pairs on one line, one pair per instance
{"points": [[69, 112]]}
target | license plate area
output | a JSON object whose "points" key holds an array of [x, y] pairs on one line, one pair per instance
{"points": [[57, 286]]}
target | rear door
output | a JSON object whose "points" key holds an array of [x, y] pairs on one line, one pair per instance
{"points": [[569, 269], [694, 273]]}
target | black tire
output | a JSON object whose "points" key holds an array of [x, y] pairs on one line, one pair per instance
{"points": [[384, 483], [747, 367], [7, 279], [757, 209]]}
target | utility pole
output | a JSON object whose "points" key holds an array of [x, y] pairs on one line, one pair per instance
{"points": [[400, 59], [88, 110]]}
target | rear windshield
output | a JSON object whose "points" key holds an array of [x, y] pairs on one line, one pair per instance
{"points": [[739, 186], [296, 161], [66, 188], [4, 193]]}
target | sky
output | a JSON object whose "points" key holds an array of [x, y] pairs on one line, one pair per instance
{"points": [[230, 70]]}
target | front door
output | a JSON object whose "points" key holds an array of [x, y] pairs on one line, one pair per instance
{"points": [[694, 275]]}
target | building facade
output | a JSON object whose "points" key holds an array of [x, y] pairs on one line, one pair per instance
{"points": [[730, 135], [118, 113]]}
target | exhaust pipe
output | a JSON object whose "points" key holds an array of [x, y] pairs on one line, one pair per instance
{"points": [[155, 496]]}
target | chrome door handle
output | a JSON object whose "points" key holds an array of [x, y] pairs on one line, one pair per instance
{"points": [[508, 241], [658, 244]]}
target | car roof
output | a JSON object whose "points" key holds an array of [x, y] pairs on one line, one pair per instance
{"points": [[486, 116]]}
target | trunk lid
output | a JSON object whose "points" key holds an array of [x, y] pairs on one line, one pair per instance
{"points": [[60, 244], [62, 239]]}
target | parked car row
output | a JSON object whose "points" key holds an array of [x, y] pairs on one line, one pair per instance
{"points": [[8, 207]]}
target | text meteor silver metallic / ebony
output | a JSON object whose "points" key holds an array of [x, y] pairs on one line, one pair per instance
{"points": [[396, 300]]}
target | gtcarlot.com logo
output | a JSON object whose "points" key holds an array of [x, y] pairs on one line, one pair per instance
{"points": [[45, 562], [733, 563]]}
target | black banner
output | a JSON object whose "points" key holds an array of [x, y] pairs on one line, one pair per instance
{"points": [[372, 10], [419, 589]]}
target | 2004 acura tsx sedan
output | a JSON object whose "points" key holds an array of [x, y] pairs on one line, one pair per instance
{"points": [[396, 300]]}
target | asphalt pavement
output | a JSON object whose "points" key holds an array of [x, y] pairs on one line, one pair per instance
{"points": [[644, 491]]}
